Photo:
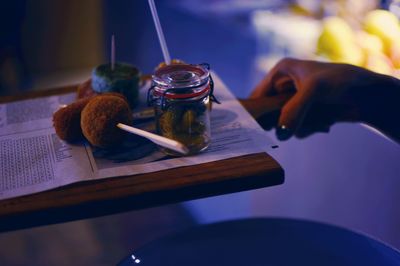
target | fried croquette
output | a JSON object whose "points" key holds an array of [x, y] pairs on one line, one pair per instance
{"points": [[67, 121], [100, 117], [85, 90], [116, 94]]}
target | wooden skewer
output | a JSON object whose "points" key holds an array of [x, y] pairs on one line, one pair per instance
{"points": [[159, 140]]}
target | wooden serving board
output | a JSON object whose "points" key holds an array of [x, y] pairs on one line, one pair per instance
{"points": [[118, 194]]}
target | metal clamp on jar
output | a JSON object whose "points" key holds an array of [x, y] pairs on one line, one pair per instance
{"points": [[181, 97]]}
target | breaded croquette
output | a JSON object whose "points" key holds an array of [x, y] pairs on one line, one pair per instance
{"points": [[85, 90], [67, 121], [100, 117]]}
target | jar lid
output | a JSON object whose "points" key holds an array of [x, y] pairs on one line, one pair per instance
{"points": [[181, 81]]}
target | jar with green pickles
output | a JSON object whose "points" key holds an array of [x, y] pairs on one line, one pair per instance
{"points": [[181, 95]]}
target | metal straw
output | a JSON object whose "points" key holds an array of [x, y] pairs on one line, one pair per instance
{"points": [[160, 33]]}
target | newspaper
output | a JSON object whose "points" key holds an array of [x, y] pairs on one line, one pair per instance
{"points": [[34, 159]]}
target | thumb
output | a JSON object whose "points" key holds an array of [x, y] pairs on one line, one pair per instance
{"points": [[293, 113]]}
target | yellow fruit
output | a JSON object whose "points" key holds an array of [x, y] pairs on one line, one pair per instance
{"points": [[379, 63], [337, 41], [369, 43], [353, 55], [394, 52], [396, 73], [384, 25], [335, 36]]}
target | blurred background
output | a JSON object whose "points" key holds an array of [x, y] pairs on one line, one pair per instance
{"points": [[349, 177], [51, 43]]}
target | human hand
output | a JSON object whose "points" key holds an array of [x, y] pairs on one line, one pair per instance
{"points": [[318, 95]]}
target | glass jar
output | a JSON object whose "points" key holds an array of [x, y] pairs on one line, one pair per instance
{"points": [[181, 96]]}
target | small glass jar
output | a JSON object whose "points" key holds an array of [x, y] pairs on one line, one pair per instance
{"points": [[181, 96]]}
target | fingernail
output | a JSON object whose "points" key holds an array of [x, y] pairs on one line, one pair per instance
{"points": [[283, 133]]}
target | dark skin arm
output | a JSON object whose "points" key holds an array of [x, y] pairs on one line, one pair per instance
{"points": [[305, 97]]}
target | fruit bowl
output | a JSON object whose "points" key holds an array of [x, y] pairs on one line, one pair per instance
{"points": [[373, 44]]}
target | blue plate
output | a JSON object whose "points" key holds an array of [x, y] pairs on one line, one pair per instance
{"points": [[277, 242]]}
